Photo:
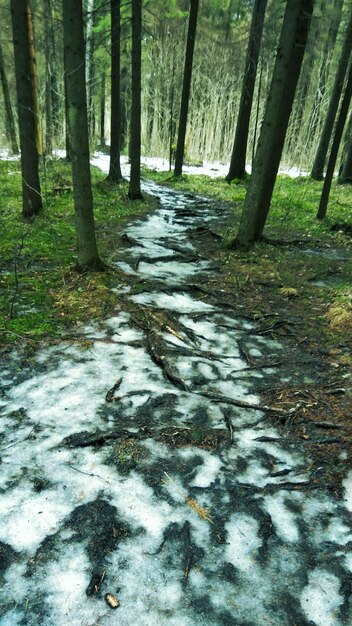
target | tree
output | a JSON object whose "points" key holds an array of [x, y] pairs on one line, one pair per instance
{"points": [[341, 120], [34, 78], [345, 174], [10, 128], [31, 193], [134, 192], [115, 174], [293, 38], [238, 157], [323, 147], [187, 76], [74, 60], [89, 48]]}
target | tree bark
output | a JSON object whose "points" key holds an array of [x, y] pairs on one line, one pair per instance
{"points": [[340, 124], [293, 38], [34, 76], [186, 88], [345, 174], [90, 65], [115, 174], [31, 193], [87, 253], [134, 192], [102, 111], [323, 147], [238, 157], [10, 128]]}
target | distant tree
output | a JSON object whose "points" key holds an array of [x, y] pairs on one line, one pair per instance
{"points": [[89, 51], [293, 38], [134, 192], [31, 193], [102, 143], [238, 157], [115, 174], [74, 60], [323, 147], [186, 88], [10, 128], [340, 124], [325, 65]]}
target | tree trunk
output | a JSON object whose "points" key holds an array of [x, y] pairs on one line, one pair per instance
{"points": [[88, 258], [34, 76], [90, 65], [134, 192], [294, 32], [340, 124], [102, 111], [10, 128], [345, 175], [323, 147], [186, 88], [238, 158], [48, 69], [115, 174], [31, 193], [325, 69]]}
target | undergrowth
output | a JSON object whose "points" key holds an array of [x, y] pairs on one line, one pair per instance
{"points": [[40, 294]]}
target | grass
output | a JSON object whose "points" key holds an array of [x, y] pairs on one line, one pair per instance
{"points": [[293, 208], [40, 294], [272, 275]]}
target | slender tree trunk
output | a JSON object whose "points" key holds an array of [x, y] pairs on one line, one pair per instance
{"points": [[340, 124], [238, 158], [345, 175], [323, 147], [10, 128], [134, 192], [34, 75], [294, 32], [325, 69], [115, 174], [48, 69], [31, 193], [88, 258], [90, 64], [186, 88], [102, 111]]}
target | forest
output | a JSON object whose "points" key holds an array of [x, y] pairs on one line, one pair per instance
{"points": [[176, 312]]}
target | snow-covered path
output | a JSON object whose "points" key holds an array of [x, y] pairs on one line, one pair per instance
{"points": [[101, 491]]}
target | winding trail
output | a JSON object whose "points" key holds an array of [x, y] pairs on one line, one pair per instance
{"points": [[132, 466]]}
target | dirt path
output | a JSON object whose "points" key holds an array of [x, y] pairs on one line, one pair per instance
{"points": [[141, 461]]}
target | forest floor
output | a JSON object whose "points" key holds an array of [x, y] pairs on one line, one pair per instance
{"points": [[182, 439]]}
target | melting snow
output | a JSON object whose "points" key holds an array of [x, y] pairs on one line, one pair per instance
{"points": [[183, 535]]}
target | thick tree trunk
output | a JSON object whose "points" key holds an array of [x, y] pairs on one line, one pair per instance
{"points": [[286, 72], [238, 157], [323, 147], [34, 75], [88, 258], [345, 174], [340, 124], [186, 88], [10, 128], [134, 192], [115, 174], [31, 194]]}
